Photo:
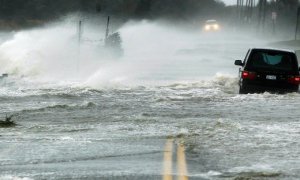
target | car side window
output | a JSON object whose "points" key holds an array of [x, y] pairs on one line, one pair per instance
{"points": [[246, 57]]}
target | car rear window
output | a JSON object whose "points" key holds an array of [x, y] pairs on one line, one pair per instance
{"points": [[273, 60]]}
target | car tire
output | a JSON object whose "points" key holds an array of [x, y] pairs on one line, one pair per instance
{"points": [[243, 90]]}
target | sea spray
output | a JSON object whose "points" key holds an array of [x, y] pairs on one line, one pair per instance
{"points": [[154, 54]]}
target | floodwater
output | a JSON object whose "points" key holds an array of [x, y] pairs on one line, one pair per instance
{"points": [[169, 108]]}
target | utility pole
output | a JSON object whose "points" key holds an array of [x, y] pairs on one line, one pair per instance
{"points": [[107, 29], [297, 23]]}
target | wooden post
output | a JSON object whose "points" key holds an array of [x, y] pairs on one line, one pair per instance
{"points": [[79, 46], [79, 32]]}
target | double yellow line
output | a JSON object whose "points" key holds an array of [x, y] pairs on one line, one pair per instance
{"points": [[168, 160]]}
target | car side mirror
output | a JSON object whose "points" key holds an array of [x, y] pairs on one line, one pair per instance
{"points": [[238, 63]]}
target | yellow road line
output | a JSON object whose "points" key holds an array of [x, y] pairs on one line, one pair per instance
{"points": [[167, 173], [181, 163]]}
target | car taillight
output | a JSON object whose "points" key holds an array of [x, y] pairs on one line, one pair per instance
{"points": [[248, 75], [294, 80]]}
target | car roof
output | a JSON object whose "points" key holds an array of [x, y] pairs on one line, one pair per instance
{"points": [[211, 21], [274, 49]]}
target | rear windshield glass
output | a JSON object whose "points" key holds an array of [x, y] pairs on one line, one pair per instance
{"points": [[273, 60]]}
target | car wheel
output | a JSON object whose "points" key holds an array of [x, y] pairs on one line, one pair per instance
{"points": [[243, 90]]}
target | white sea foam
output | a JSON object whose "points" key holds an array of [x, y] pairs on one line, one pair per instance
{"points": [[10, 177]]}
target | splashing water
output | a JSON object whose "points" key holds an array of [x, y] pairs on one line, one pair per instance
{"points": [[154, 53], [83, 115]]}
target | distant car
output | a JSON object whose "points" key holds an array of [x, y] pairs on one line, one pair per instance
{"points": [[269, 70], [211, 25]]}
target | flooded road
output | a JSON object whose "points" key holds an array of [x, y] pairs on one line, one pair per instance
{"points": [[157, 113]]}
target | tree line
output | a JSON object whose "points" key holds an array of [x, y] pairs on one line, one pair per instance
{"points": [[33, 12], [46, 10]]}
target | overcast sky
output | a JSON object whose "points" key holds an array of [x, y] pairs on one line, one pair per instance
{"points": [[229, 2]]}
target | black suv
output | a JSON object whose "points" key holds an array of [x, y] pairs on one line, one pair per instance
{"points": [[269, 70]]}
